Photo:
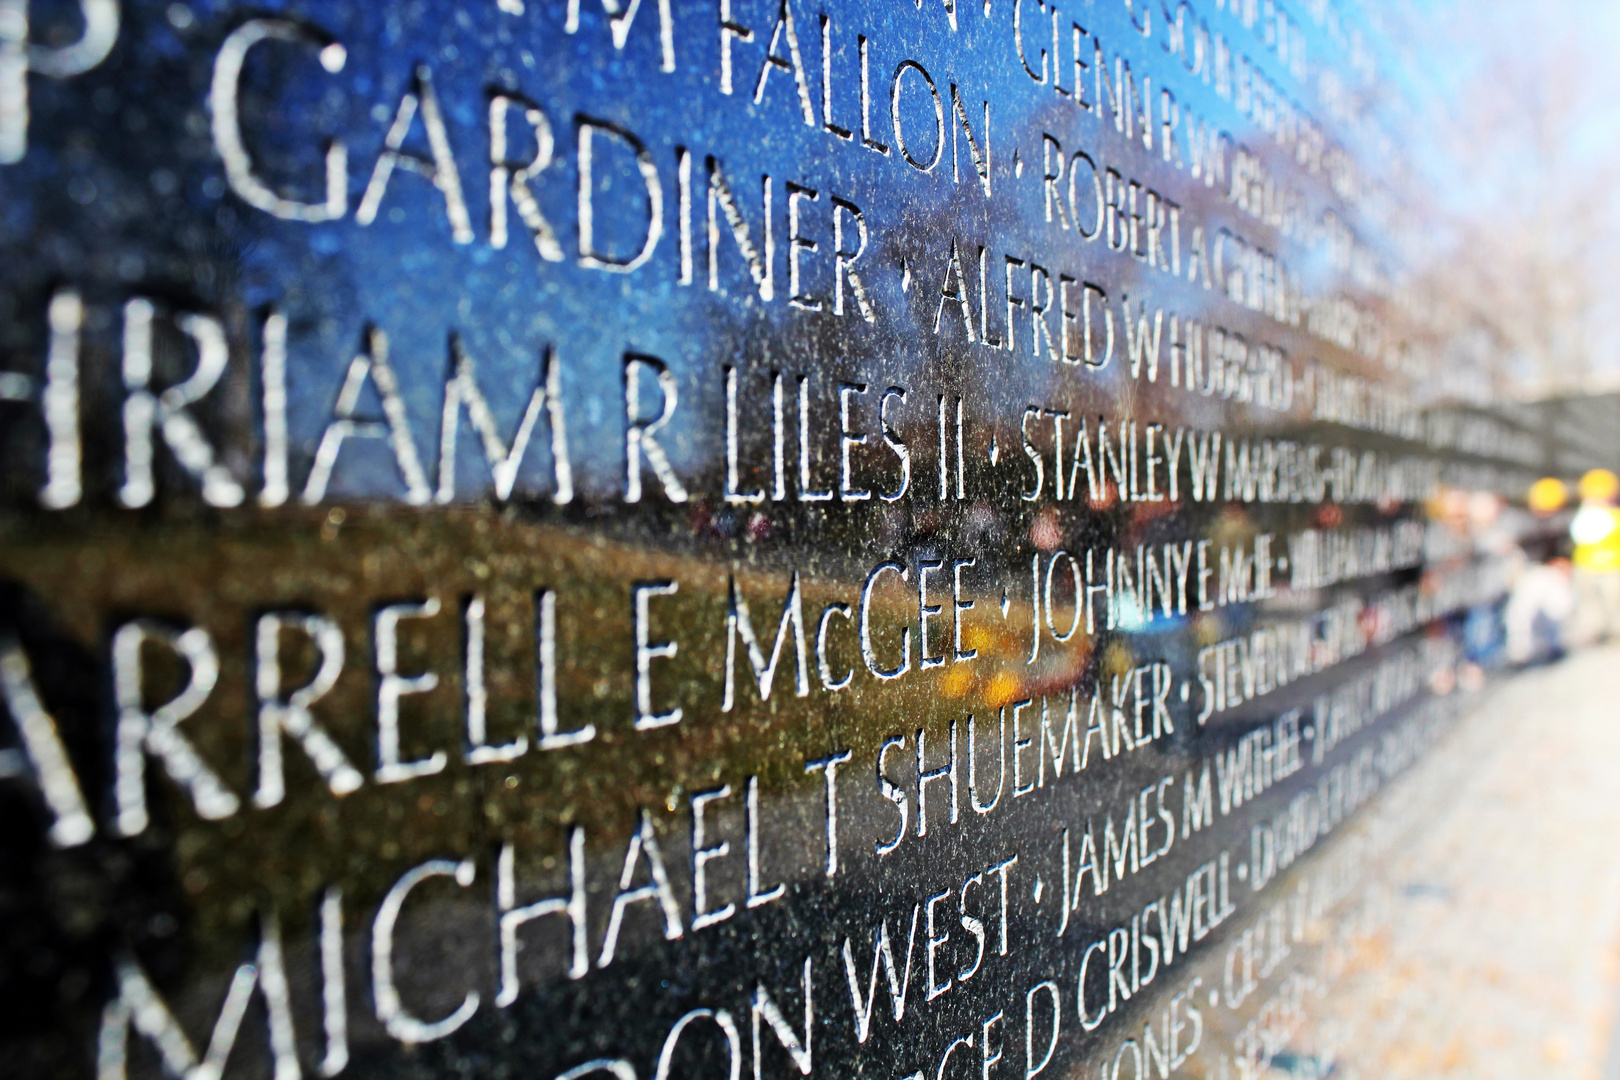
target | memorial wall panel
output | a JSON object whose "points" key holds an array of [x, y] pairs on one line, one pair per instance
{"points": [[564, 539]]}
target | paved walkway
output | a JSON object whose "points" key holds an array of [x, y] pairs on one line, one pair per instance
{"points": [[1500, 956]]}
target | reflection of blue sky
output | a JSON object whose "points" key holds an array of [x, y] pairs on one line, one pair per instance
{"points": [[406, 275]]}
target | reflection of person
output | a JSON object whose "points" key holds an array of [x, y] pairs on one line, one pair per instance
{"points": [[1482, 629], [1596, 532]]}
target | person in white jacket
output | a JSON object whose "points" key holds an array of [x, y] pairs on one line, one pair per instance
{"points": [[1538, 612]]}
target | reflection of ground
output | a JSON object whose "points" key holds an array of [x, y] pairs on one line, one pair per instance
{"points": [[1499, 955]]}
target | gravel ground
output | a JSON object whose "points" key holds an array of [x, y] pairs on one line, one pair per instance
{"points": [[1499, 953]]}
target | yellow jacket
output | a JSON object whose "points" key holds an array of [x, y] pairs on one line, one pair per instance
{"points": [[1597, 548]]}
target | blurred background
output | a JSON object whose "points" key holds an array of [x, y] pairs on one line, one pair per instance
{"points": [[1497, 126], [1503, 152]]}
